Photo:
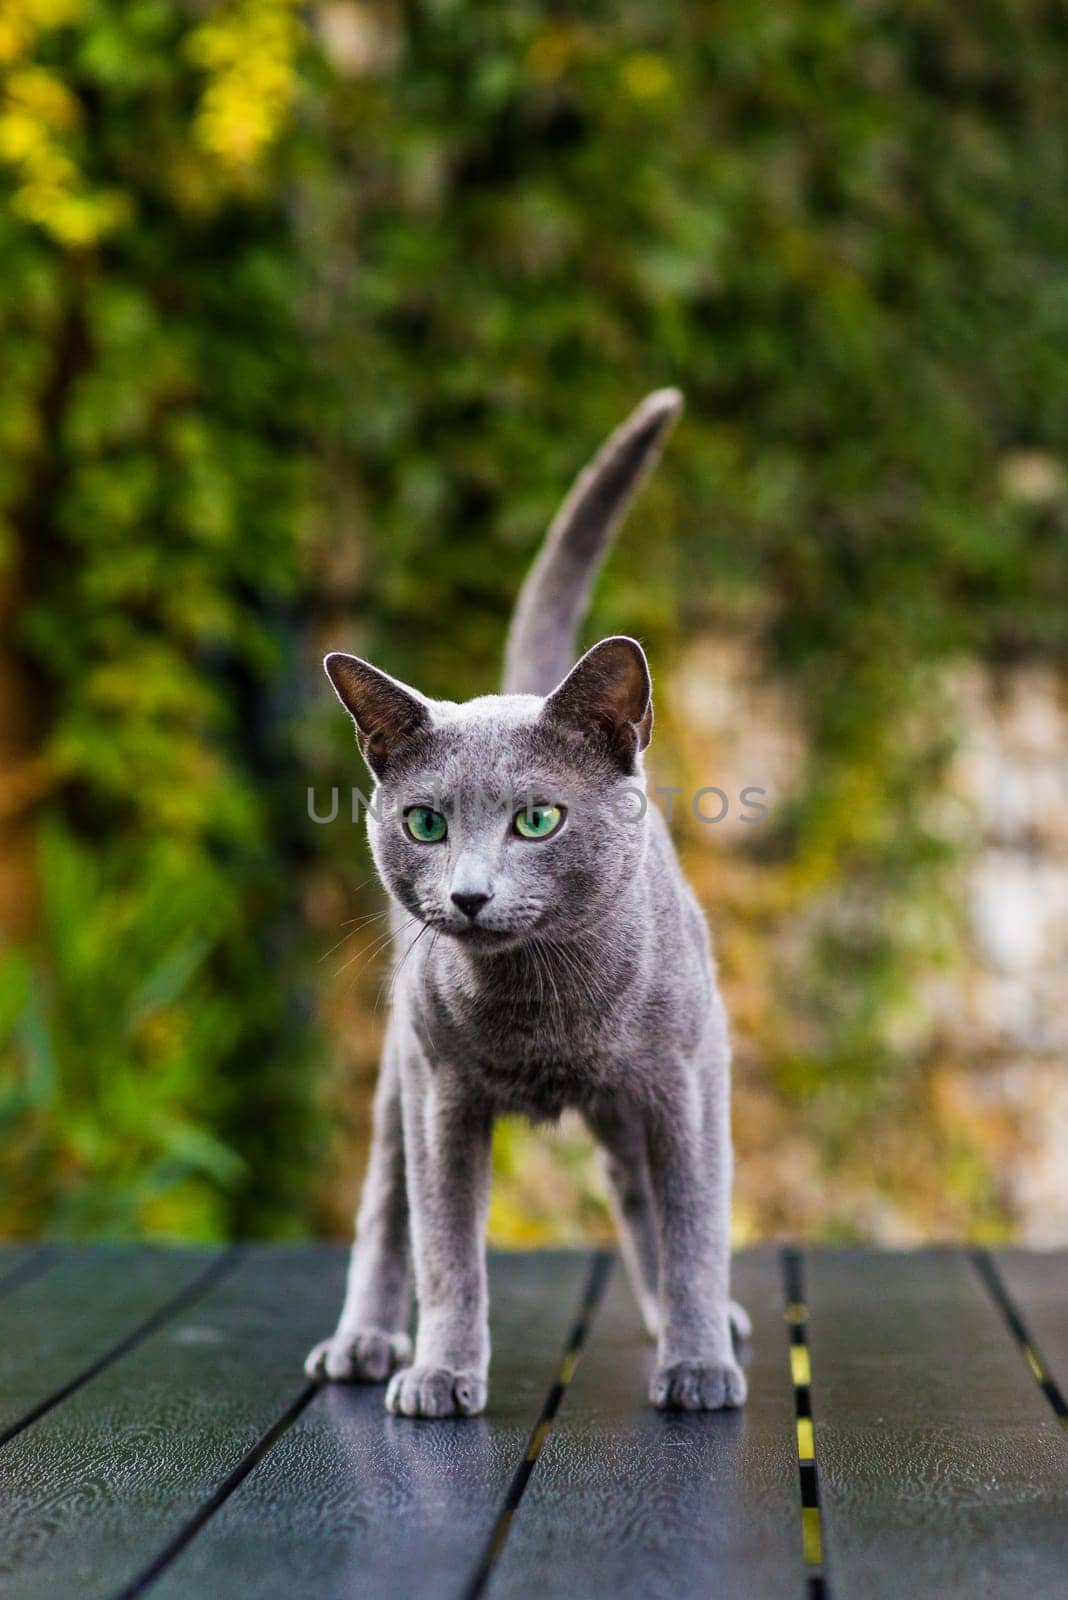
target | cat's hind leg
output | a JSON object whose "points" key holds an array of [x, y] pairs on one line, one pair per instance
{"points": [[371, 1340], [741, 1325], [621, 1136], [688, 1133]]}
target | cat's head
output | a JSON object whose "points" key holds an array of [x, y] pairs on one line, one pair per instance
{"points": [[508, 817]]}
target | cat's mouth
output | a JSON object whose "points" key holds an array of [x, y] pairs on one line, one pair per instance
{"points": [[479, 933], [482, 933], [484, 936]]}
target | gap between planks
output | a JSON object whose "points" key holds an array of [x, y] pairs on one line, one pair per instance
{"points": [[192, 1292], [600, 1266], [801, 1374], [232, 1481], [812, 1535], [1037, 1365]]}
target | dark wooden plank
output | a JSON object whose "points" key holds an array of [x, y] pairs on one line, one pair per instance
{"points": [[96, 1488], [58, 1323], [1037, 1283], [352, 1501], [11, 1256], [19, 1263], [628, 1501], [942, 1470]]}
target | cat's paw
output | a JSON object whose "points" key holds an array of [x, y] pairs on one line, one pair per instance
{"points": [[698, 1386], [435, 1392], [368, 1357]]}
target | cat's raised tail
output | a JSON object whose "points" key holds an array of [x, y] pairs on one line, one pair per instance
{"points": [[544, 631]]}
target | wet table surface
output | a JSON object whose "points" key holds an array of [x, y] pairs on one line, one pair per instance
{"points": [[905, 1434]]}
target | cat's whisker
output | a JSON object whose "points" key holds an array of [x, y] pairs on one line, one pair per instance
{"points": [[361, 922], [371, 956], [369, 952], [359, 887], [378, 943], [541, 982], [582, 974], [367, 917], [547, 968], [400, 966], [555, 954]]}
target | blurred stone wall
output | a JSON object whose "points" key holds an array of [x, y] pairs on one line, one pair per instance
{"points": [[977, 1124], [1007, 1008]]}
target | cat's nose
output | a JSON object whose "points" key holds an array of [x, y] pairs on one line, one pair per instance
{"points": [[470, 904]]}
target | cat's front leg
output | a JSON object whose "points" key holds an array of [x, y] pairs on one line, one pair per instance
{"points": [[447, 1136], [690, 1164], [371, 1338]]}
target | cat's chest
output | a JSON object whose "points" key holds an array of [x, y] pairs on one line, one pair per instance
{"points": [[541, 1084], [527, 1054]]}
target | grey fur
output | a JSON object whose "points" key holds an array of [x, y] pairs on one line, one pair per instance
{"points": [[552, 601], [585, 980]]}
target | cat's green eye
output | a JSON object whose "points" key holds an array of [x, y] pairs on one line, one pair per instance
{"points": [[538, 822], [425, 825]]}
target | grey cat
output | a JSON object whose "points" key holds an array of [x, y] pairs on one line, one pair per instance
{"points": [[568, 965]]}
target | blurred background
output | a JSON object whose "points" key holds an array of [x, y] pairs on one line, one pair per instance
{"points": [[308, 315]]}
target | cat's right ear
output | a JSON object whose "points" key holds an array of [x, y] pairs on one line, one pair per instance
{"points": [[386, 713]]}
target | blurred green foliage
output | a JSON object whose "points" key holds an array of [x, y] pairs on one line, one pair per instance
{"points": [[337, 312], [155, 476]]}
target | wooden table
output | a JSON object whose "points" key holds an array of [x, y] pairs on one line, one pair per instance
{"points": [[905, 1437]]}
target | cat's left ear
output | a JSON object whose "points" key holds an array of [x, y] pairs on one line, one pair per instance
{"points": [[608, 696]]}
